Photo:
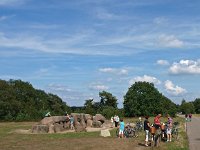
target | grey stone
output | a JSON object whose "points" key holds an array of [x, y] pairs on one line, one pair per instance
{"points": [[40, 129], [105, 133]]}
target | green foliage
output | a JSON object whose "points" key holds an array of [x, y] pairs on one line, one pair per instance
{"points": [[109, 111], [107, 99], [89, 107], [20, 101], [187, 107], [107, 105], [142, 98], [196, 104]]}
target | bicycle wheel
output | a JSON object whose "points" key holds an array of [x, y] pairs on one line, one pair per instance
{"points": [[175, 134], [136, 133]]}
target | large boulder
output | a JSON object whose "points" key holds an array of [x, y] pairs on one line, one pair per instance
{"points": [[79, 121], [58, 127], [83, 120], [88, 116], [97, 124], [66, 125], [40, 129], [89, 123], [99, 117], [80, 128], [53, 119], [51, 129]]}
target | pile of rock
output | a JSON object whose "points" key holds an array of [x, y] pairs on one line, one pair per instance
{"points": [[55, 124]]}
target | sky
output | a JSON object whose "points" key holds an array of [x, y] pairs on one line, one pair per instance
{"points": [[77, 48]]}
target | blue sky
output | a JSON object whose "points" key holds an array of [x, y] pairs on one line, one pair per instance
{"points": [[76, 48]]}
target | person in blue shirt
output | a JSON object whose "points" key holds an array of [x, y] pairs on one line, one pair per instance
{"points": [[121, 128], [71, 119]]}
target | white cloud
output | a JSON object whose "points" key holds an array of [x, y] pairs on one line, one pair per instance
{"points": [[162, 62], [44, 26], [185, 67], [107, 70], [67, 44], [73, 97], [160, 20], [3, 18], [105, 15], [170, 41], [58, 88], [11, 2], [120, 71], [172, 89], [145, 78], [99, 87]]}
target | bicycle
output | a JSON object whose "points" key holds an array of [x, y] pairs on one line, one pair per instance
{"points": [[175, 130], [129, 132], [139, 126]]}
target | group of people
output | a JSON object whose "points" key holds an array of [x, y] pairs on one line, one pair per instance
{"points": [[158, 127], [114, 121], [188, 117], [118, 122]]}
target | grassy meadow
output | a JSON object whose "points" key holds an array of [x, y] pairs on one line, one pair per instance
{"points": [[11, 138]]}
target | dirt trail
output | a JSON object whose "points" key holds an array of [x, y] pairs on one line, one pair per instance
{"points": [[193, 132]]}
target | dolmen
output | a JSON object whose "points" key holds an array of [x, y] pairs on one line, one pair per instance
{"points": [[57, 124]]}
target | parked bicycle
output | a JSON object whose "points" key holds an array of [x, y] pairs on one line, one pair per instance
{"points": [[175, 130], [139, 126], [129, 132]]}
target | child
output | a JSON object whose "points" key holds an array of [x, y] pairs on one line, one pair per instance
{"points": [[169, 128], [121, 128]]}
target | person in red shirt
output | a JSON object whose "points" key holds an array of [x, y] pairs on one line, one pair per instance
{"points": [[157, 123]]}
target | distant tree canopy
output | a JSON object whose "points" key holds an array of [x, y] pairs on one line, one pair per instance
{"points": [[20, 101], [107, 99], [107, 105], [142, 98], [187, 107], [196, 104]]}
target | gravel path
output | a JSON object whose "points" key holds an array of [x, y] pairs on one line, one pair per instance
{"points": [[193, 132]]}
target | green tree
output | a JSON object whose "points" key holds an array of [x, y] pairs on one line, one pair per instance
{"points": [[107, 99], [187, 107], [20, 101], [89, 107], [197, 105], [142, 98]]}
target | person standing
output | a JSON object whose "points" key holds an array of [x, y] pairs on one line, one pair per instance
{"points": [[146, 129], [121, 128], [169, 128], [190, 117], [117, 120], [71, 119], [186, 117], [157, 123]]}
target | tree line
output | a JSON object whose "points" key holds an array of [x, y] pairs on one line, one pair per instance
{"points": [[20, 101]]}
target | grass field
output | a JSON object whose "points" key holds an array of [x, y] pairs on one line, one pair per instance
{"points": [[11, 140], [196, 115]]}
